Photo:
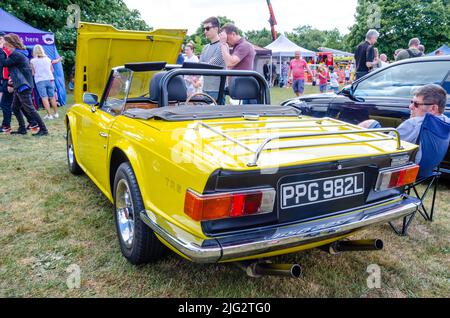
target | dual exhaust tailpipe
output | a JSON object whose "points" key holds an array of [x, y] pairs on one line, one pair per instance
{"points": [[352, 246], [260, 269]]}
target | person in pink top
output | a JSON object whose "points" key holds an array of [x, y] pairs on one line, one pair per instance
{"points": [[297, 73], [323, 78]]}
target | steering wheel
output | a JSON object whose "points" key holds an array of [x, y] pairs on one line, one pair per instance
{"points": [[201, 94]]}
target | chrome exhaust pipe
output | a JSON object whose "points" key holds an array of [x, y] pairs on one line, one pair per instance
{"points": [[260, 269], [357, 245]]}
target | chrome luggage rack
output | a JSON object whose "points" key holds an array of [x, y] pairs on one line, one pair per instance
{"points": [[257, 152]]}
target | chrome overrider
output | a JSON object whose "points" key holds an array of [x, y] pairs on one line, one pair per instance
{"points": [[269, 239]]}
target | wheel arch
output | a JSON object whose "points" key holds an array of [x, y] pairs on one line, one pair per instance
{"points": [[70, 120], [118, 156]]}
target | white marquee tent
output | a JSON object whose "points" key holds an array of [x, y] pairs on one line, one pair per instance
{"points": [[283, 47]]}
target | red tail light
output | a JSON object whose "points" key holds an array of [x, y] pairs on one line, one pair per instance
{"points": [[228, 205], [396, 178]]}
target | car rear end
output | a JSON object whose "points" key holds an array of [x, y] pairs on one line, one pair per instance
{"points": [[290, 184]]}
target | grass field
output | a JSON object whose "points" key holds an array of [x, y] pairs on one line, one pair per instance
{"points": [[50, 220]]}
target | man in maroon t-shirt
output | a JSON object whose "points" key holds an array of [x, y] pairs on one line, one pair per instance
{"points": [[242, 56]]}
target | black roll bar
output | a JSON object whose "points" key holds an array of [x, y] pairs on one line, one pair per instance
{"points": [[264, 93]]}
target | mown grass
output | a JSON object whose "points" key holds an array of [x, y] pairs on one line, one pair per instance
{"points": [[50, 219]]}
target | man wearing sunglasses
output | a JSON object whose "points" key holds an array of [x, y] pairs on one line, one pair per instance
{"points": [[212, 54], [431, 99]]}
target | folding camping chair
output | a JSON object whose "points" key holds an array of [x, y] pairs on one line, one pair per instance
{"points": [[434, 142]]}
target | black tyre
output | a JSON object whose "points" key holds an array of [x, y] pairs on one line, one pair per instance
{"points": [[137, 241], [72, 162]]}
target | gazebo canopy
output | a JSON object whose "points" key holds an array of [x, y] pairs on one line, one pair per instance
{"points": [[444, 49], [260, 51], [285, 47], [32, 36], [337, 53]]}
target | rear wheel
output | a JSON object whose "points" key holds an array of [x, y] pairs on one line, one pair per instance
{"points": [[72, 162], [138, 242]]}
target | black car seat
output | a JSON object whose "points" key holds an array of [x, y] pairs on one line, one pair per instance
{"points": [[176, 88], [244, 88]]}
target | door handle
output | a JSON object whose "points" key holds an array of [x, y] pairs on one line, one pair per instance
{"points": [[104, 135]]}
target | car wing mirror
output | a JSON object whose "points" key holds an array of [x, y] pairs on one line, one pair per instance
{"points": [[349, 92], [91, 100]]}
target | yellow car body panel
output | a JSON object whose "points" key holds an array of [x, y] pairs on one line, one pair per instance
{"points": [[171, 157], [102, 47]]}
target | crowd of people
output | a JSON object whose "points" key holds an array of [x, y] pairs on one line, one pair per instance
{"points": [[17, 82], [217, 52], [431, 98], [329, 77], [368, 59], [18, 77], [291, 74], [19, 74]]}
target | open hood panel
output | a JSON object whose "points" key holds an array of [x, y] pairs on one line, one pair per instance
{"points": [[102, 47]]}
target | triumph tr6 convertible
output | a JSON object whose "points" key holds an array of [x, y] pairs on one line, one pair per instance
{"points": [[220, 183]]}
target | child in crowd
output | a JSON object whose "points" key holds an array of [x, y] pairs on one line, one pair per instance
{"points": [[334, 80], [323, 79]]}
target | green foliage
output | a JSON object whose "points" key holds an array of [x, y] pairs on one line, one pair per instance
{"points": [[261, 38], [52, 15], [310, 38], [401, 20]]}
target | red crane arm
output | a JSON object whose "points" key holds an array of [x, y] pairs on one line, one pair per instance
{"points": [[272, 20]]}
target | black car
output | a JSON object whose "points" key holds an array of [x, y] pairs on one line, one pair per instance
{"points": [[384, 95]]}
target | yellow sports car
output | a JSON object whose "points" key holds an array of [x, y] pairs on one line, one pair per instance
{"points": [[221, 183]]}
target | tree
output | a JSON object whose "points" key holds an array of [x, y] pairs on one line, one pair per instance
{"points": [[310, 38], [398, 21], [51, 15], [261, 38]]}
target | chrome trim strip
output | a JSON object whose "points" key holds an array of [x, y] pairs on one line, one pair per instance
{"points": [[258, 152], [187, 244], [261, 129], [262, 146], [237, 142], [268, 240]]}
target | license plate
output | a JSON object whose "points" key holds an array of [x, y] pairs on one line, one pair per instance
{"points": [[309, 192]]}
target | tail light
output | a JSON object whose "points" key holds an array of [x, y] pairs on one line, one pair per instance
{"points": [[396, 178], [228, 205]]}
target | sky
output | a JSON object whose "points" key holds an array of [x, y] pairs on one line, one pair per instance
{"points": [[248, 14]]}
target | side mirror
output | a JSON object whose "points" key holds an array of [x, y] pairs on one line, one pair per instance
{"points": [[348, 92], [91, 100]]}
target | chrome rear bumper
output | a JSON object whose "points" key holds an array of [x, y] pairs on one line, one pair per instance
{"points": [[270, 239]]}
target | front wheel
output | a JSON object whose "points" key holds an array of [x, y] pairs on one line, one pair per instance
{"points": [[138, 242]]}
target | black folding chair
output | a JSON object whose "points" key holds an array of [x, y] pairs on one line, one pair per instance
{"points": [[434, 142], [431, 183]]}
